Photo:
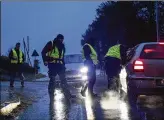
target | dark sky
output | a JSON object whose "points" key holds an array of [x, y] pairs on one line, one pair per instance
{"points": [[42, 21]]}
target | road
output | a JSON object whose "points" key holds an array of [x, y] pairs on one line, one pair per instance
{"points": [[107, 106]]}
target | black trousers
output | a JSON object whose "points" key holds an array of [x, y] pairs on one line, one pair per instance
{"points": [[112, 67], [16, 68], [91, 78], [57, 69]]}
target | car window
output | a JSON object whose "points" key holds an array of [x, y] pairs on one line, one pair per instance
{"points": [[153, 51]]}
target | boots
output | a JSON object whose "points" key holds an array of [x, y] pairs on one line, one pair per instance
{"points": [[83, 90], [22, 79]]}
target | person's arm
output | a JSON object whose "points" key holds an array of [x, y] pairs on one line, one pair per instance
{"points": [[48, 47], [87, 52], [11, 55], [123, 51], [63, 54], [23, 57]]}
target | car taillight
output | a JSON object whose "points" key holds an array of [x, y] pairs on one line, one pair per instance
{"points": [[138, 66], [161, 43]]}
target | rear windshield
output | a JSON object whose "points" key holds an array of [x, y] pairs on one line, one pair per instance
{"points": [[153, 51]]}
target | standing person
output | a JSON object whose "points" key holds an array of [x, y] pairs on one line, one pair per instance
{"points": [[90, 61], [17, 59], [53, 57], [114, 58]]}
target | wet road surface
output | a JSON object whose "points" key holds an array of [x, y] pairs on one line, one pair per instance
{"points": [[107, 106]]}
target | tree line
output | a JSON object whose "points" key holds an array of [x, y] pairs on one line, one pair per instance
{"points": [[128, 23]]}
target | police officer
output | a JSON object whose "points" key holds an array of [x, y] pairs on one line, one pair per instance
{"points": [[53, 57], [16, 57], [90, 61], [114, 58]]}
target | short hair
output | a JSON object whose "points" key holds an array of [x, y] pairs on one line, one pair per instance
{"points": [[60, 36], [18, 43]]}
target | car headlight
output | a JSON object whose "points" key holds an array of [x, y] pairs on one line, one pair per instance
{"points": [[84, 77], [84, 70]]}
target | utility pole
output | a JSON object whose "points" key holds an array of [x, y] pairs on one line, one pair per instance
{"points": [[157, 20], [28, 48], [0, 31], [24, 45]]}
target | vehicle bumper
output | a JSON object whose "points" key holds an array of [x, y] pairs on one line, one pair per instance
{"points": [[146, 86], [147, 91]]}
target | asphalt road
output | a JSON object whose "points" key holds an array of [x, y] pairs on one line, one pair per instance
{"points": [[107, 106]]}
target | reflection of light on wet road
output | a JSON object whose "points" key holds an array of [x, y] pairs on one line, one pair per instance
{"points": [[124, 111], [123, 76], [88, 107], [58, 105], [112, 102]]}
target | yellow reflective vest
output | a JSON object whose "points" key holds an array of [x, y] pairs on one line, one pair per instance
{"points": [[114, 51], [93, 54], [54, 53], [15, 56]]}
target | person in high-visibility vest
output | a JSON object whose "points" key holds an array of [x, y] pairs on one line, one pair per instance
{"points": [[16, 57], [90, 61], [53, 57], [114, 58]]}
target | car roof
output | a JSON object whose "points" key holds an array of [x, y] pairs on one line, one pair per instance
{"points": [[141, 45], [147, 43]]}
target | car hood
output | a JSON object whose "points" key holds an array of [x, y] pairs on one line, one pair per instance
{"points": [[74, 66]]}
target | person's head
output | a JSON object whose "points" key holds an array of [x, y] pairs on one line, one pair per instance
{"points": [[91, 41], [60, 38], [17, 46]]}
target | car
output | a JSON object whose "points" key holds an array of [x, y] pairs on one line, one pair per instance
{"points": [[75, 69], [144, 72]]}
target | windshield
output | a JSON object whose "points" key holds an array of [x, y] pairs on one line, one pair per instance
{"points": [[73, 58]]}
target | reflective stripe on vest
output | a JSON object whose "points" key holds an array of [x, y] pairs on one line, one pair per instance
{"points": [[114, 51], [93, 54], [15, 56], [54, 53]]}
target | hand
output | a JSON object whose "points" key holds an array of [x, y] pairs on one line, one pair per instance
{"points": [[50, 59], [14, 58]]}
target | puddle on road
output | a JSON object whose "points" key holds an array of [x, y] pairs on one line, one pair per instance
{"points": [[110, 105], [81, 109], [114, 107], [58, 106]]}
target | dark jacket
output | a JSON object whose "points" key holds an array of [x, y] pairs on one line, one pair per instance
{"points": [[17, 51], [123, 51], [87, 52], [49, 46]]}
